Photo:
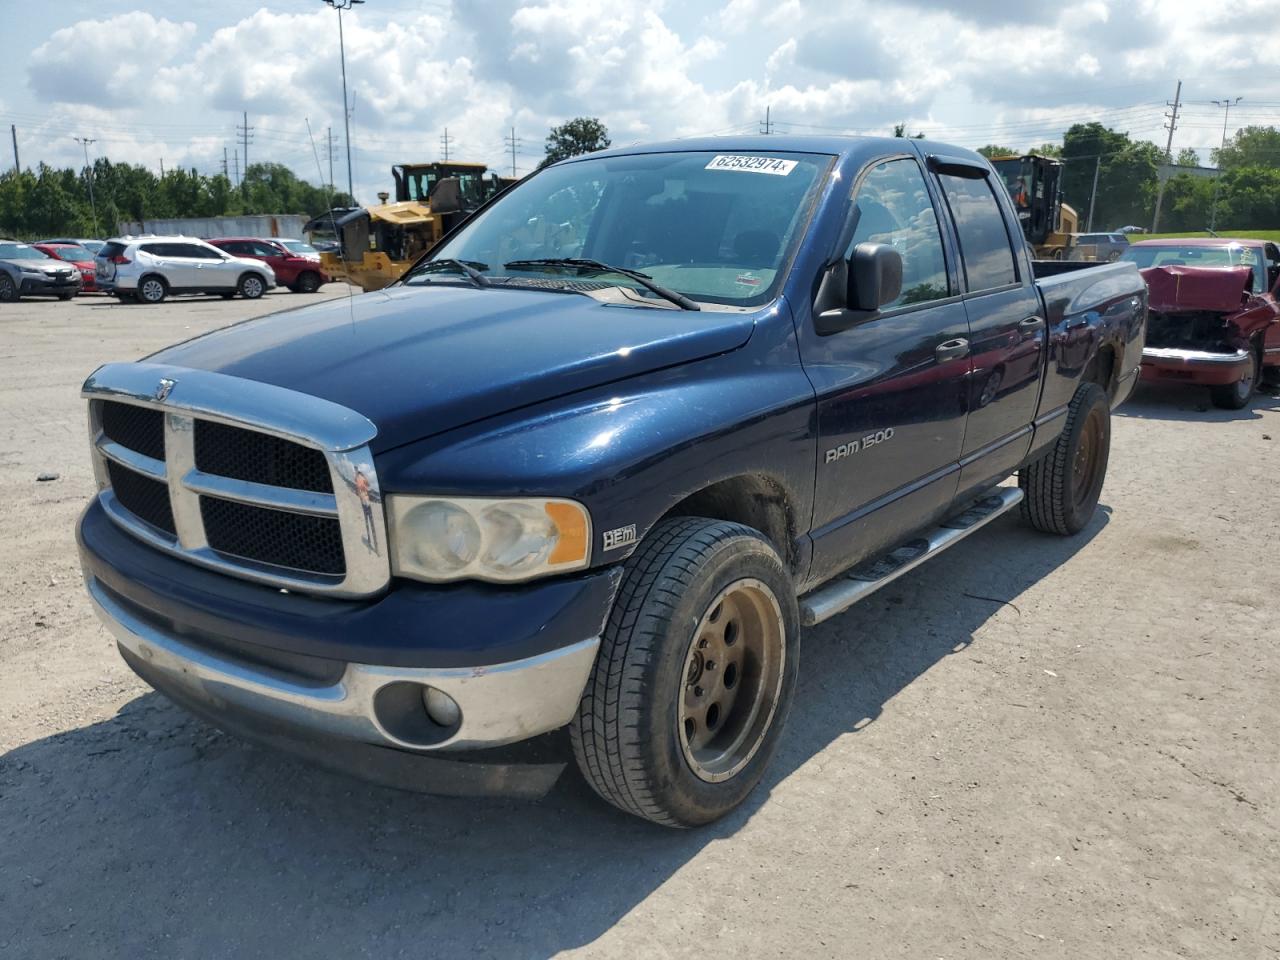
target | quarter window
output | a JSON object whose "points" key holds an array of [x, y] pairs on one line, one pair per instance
{"points": [[893, 207], [985, 249]]}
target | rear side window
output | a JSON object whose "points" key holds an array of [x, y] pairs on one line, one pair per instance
{"points": [[893, 207], [157, 249], [985, 249], [196, 252], [235, 248]]}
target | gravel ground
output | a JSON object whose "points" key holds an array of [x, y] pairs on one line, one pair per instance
{"points": [[1031, 747]]}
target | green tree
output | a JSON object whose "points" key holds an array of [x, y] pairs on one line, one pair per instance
{"points": [[580, 135], [1048, 150], [900, 130], [1250, 147], [1126, 175], [991, 150], [1188, 157]]}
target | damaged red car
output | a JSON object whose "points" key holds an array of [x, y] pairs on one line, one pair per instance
{"points": [[1215, 314]]}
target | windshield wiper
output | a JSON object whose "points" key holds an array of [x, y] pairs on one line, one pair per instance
{"points": [[582, 263], [469, 269]]}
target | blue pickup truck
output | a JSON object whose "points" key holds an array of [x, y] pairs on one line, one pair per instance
{"points": [[570, 490]]}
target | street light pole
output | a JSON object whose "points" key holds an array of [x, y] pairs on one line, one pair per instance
{"points": [[93, 204], [1226, 106], [341, 5]]}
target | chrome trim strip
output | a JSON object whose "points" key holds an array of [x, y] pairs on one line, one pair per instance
{"points": [[1194, 356], [233, 400], [180, 459], [261, 494], [137, 462], [499, 703]]}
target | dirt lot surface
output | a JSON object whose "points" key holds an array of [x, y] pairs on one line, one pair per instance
{"points": [[1031, 747]]}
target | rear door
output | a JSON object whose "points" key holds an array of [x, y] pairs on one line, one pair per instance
{"points": [[169, 258], [1006, 327], [891, 391]]}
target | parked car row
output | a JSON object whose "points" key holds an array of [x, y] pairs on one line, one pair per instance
{"points": [[151, 268]]}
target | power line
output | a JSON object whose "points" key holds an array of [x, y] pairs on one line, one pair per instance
{"points": [[766, 126], [246, 137], [93, 205], [444, 144], [513, 142], [1172, 125]]}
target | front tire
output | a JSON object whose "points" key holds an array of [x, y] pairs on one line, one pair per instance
{"points": [[1062, 487], [308, 282], [695, 675], [8, 289], [252, 286], [1236, 396]]}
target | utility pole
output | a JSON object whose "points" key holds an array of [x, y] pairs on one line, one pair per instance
{"points": [[341, 5], [245, 131], [13, 130], [226, 169], [513, 142], [331, 150], [444, 144], [236, 160], [1168, 152], [767, 126], [1226, 104], [1097, 168], [93, 204], [162, 168]]}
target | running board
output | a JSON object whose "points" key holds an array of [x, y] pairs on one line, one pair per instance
{"points": [[838, 595]]}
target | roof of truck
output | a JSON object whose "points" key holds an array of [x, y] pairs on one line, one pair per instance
{"points": [[784, 143]]}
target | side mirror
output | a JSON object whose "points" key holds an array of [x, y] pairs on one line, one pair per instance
{"points": [[854, 291]]}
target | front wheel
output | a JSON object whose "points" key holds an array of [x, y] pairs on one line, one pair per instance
{"points": [[308, 282], [252, 286], [1062, 487], [695, 675], [65, 296], [1236, 396], [8, 289]]}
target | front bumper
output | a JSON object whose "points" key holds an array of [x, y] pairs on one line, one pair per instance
{"points": [[342, 681], [1205, 367], [48, 286]]}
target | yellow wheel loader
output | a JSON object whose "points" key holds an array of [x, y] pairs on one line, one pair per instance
{"points": [[1035, 184]]}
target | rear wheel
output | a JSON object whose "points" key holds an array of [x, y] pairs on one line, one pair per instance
{"points": [[65, 296], [695, 675], [8, 289], [152, 289], [252, 286], [1236, 396], [1062, 487]]}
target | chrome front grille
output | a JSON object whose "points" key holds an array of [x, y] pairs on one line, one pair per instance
{"points": [[246, 478]]}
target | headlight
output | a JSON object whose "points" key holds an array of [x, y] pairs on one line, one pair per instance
{"points": [[438, 539]]}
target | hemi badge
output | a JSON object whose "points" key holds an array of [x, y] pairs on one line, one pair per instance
{"points": [[613, 539]]}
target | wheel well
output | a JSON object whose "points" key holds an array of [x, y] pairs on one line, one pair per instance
{"points": [[1102, 369], [158, 276], [754, 500], [247, 274]]}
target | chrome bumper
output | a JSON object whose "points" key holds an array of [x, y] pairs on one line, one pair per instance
{"points": [[499, 704], [1194, 357]]}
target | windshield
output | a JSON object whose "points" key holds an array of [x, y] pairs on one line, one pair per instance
{"points": [[72, 254], [1193, 255], [297, 246], [714, 227], [20, 251]]}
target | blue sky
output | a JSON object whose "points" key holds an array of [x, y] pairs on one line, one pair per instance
{"points": [[152, 81]]}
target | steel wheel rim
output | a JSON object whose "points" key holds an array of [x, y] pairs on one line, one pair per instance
{"points": [[1244, 386], [152, 290], [1088, 455], [6, 286], [732, 680]]}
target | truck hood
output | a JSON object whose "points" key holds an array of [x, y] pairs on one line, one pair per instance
{"points": [[1177, 288], [420, 361]]}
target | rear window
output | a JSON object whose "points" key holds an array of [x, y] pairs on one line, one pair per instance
{"points": [[984, 241], [111, 249]]}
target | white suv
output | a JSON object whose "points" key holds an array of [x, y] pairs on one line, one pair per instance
{"points": [[148, 269]]}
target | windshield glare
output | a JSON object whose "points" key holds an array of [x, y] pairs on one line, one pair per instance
{"points": [[715, 227], [1193, 255], [297, 246], [20, 251]]}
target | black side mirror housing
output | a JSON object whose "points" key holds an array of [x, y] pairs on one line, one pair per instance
{"points": [[854, 291]]}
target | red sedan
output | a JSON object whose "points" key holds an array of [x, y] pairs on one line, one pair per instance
{"points": [[77, 255]]}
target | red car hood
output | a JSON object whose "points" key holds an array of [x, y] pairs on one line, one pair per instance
{"points": [[1197, 288]]}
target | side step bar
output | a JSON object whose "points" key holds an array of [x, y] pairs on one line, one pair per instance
{"points": [[838, 595]]}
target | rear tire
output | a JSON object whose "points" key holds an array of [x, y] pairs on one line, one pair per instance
{"points": [[152, 289], [1062, 487], [8, 289], [252, 286], [695, 675], [65, 296], [1236, 396]]}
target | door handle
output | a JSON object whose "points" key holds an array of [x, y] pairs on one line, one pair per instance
{"points": [[951, 350], [1031, 323]]}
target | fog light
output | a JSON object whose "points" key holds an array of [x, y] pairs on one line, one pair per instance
{"points": [[441, 707]]}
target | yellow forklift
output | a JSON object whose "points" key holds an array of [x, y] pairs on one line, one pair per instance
{"points": [[1035, 185], [376, 245]]}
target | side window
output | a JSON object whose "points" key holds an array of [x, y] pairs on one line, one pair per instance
{"points": [[155, 249], [197, 252], [984, 240], [893, 207], [264, 249]]}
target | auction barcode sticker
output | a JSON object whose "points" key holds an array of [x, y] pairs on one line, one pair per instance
{"points": [[771, 165]]}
